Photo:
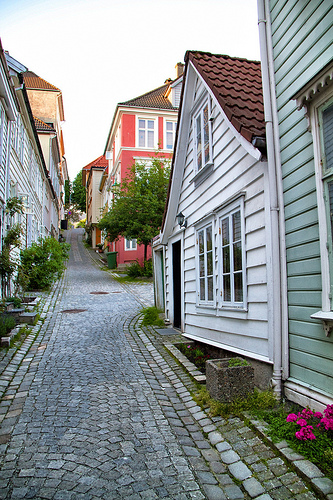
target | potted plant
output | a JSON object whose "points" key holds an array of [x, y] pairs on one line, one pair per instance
{"points": [[228, 379], [100, 247]]}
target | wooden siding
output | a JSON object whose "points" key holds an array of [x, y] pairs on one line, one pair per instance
{"points": [[302, 34], [235, 171]]}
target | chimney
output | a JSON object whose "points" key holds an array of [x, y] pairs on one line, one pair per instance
{"points": [[179, 69]]}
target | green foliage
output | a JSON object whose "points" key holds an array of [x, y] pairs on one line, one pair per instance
{"points": [[44, 262], [12, 239], [16, 301], [237, 362], [151, 317], [67, 189], [258, 401], [139, 203], [7, 323], [78, 195], [134, 270]]}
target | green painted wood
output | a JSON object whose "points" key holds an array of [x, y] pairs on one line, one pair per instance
{"points": [[302, 35]]}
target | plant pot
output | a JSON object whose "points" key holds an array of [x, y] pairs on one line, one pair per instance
{"points": [[226, 383]]}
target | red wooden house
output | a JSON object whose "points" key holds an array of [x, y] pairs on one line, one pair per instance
{"points": [[139, 127]]}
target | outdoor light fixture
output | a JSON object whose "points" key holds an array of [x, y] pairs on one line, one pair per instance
{"points": [[181, 220]]}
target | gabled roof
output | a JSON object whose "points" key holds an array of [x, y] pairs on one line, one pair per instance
{"points": [[42, 126], [154, 99], [236, 84], [34, 82], [101, 161]]}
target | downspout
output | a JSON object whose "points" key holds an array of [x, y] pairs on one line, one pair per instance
{"points": [[274, 257]]}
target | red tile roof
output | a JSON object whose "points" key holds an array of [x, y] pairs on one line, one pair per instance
{"points": [[154, 99], [33, 81], [99, 162], [40, 125], [236, 84]]}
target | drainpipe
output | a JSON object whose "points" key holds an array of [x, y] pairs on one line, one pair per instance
{"points": [[273, 179]]}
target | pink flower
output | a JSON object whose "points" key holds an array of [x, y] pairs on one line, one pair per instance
{"points": [[327, 423], [306, 413], [305, 433], [292, 417], [329, 411], [302, 422], [317, 414]]}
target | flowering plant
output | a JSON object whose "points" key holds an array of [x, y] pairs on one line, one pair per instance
{"points": [[306, 417]]}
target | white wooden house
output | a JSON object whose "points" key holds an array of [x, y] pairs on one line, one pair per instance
{"points": [[214, 274]]}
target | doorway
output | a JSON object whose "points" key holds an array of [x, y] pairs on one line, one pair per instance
{"points": [[176, 248]]}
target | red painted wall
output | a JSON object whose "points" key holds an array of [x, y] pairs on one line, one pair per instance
{"points": [[128, 131]]}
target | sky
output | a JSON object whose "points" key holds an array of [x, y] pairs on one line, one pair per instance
{"points": [[101, 52]]}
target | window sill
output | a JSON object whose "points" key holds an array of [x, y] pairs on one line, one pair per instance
{"points": [[203, 173], [327, 318]]}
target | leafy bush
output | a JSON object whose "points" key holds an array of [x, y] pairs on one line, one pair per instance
{"points": [[16, 301], [44, 262], [151, 317], [6, 325], [134, 270]]}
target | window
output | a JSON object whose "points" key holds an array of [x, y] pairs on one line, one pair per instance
{"points": [[170, 134], [146, 133], [205, 264], [232, 258], [130, 244], [203, 139]]}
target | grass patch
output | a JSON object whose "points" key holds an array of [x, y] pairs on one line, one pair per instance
{"points": [[151, 317]]}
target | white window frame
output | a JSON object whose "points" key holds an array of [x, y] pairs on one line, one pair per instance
{"points": [[166, 132], [203, 115], [132, 244], [227, 213], [206, 276], [146, 119]]}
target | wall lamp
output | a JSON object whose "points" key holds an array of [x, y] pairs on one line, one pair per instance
{"points": [[181, 220]]}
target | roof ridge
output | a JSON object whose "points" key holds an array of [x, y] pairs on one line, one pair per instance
{"points": [[235, 58], [146, 93]]}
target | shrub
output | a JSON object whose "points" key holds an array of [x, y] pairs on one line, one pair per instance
{"points": [[16, 301], [151, 317], [44, 262], [6, 325], [135, 270], [198, 356]]}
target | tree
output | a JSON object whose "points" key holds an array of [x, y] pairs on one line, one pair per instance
{"points": [[78, 193], [139, 203]]}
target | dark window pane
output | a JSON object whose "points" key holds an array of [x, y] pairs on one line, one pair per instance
{"points": [[209, 263], [209, 238], [238, 284], [206, 154], [201, 241], [210, 288], [202, 265], [237, 256], [225, 231], [330, 195], [226, 288], [202, 289], [226, 259], [236, 226]]}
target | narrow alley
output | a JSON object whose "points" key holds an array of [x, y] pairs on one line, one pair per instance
{"points": [[94, 407]]}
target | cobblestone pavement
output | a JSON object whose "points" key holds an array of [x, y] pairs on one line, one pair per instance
{"points": [[94, 407]]}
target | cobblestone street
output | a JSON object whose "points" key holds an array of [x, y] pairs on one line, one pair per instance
{"points": [[94, 407]]}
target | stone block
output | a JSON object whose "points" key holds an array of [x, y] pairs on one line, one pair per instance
{"points": [[226, 383]]}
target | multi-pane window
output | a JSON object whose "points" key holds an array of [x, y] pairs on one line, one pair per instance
{"points": [[203, 137], [170, 133], [130, 244], [206, 267], [326, 142], [146, 133], [232, 259]]}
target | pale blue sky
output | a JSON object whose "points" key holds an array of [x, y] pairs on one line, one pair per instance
{"points": [[101, 52]]}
